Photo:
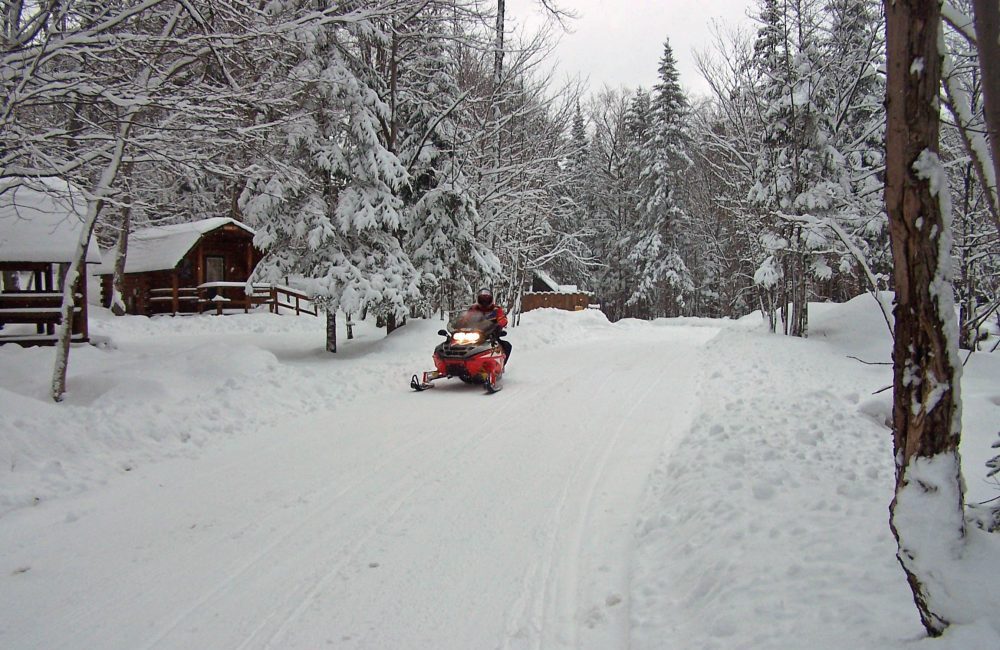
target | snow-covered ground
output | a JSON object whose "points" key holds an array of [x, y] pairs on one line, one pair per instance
{"points": [[226, 483]]}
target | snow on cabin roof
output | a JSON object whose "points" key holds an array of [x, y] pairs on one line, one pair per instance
{"points": [[161, 248], [41, 220], [555, 286]]}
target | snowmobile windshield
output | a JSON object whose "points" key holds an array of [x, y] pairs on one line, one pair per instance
{"points": [[472, 319]]}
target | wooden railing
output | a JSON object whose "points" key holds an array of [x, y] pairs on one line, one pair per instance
{"points": [[223, 296], [289, 294], [43, 309]]}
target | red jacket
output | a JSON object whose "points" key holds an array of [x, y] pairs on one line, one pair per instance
{"points": [[493, 312]]}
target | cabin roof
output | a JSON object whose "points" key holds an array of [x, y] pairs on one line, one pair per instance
{"points": [[552, 285], [161, 248], [41, 220]]}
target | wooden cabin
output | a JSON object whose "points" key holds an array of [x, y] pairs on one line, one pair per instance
{"points": [[41, 221], [185, 268], [546, 292]]}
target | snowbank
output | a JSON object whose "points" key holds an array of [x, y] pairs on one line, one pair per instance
{"points": [[768, 526]]}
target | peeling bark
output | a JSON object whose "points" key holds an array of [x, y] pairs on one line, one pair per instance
{"points": [[926, 406]]}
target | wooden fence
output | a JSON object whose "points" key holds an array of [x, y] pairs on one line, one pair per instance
{"points": [[567, 301], [43, 309], [227, 296]]}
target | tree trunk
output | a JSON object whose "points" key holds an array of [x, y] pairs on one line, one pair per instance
{"points": [[498, 80], [95, 203], [78, 266], [926, 515], [968, 334], [392, 322], [121, 253], [987, 22], [331, 329]]}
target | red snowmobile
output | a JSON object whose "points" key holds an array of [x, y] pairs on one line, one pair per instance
{"points": [[471, 351]]}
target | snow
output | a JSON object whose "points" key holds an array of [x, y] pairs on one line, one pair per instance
{"points": [[224, 482], [162, 248], [41, 221], [553, 285]]}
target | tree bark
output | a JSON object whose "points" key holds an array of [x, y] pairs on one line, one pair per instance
{"points": [[331, 329], [987, 23], [121, 254], [926, 412]]}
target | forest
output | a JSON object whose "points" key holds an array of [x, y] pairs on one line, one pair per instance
{"points": [[394, 155]]}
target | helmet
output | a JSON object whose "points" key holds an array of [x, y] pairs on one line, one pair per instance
{"points": [[484, 297]]}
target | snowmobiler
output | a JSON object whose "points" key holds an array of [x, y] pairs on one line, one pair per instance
{"points": [[472, 351]]}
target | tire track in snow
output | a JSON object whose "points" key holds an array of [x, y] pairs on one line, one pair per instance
{"points": [[328, 499], [301, 595], [307, 596], [552, 584]]}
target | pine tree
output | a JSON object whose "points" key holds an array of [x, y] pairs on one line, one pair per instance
{"points": [[330, 211], [663, 277], [856, 88], [796, 184]]}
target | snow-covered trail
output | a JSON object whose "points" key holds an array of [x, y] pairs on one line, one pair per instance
{"points": [[447, 519]]}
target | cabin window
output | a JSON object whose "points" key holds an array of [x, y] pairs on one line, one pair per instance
{"points": [[186, 271], [215, 271], [215, 268]]}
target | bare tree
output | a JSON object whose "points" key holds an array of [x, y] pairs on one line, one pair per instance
{"points": [[927, 513]]}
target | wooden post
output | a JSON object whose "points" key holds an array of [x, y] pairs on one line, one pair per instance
{"points": [[80, 322], [50, 285], [175, 282], [220, 302]]}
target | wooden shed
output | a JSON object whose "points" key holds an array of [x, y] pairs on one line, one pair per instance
{"points": [[185, 268], [546, 292], [41, 221]]}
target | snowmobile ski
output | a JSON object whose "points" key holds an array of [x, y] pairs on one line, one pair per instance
{"points": [[419, 385], [493, 385]]}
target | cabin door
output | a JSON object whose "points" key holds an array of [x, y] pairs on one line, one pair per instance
{"points": [[215, 271]]}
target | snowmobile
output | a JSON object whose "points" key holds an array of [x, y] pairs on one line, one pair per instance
{"points": [[471, 351]]}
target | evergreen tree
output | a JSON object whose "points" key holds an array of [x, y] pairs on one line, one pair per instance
{"points": [[662, 275], [330, 211], [796, 168]]}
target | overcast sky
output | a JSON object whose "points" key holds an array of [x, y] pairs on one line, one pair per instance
{"points": [[619, 42]]}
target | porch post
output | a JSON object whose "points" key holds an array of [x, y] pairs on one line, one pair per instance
{"points": [[175, 281]]}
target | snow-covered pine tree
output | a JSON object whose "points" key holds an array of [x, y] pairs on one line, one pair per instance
{"points": [[571, 218], [663, 278], [855, 87], [796, 178], [326, 207], [440, 216], [621, 124]]}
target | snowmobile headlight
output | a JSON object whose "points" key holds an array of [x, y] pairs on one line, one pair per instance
{"points": [[467, 338]]}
